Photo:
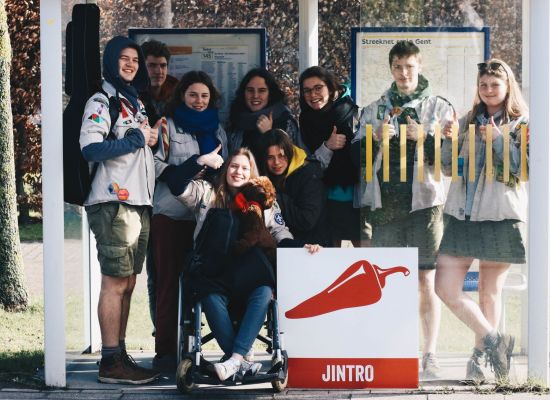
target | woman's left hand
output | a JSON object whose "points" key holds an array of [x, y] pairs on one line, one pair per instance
{"points": [[265, 123], [312, 248]]}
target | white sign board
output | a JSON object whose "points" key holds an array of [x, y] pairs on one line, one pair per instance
{"points": [[449, 61], [224, 54], [349, 317]]}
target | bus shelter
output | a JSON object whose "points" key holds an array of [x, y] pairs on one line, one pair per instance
{"points": [[533, 64]]}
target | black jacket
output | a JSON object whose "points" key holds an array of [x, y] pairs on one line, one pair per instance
{"points": [[303, 204]]}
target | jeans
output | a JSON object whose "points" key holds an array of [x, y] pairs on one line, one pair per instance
{"points": [[215, 308]]}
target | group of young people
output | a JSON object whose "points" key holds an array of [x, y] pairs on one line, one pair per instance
{"points": [[188, 162]]}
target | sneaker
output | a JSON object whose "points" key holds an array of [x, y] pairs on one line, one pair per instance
{"points": [[430, 367], [473, 368], [249, 356], [227, 369], [116, 370], [249, 368], [499, 352]]}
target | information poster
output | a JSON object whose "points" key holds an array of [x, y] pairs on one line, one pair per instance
{"points": [[225, 54], [349, 317], [449, 61]]}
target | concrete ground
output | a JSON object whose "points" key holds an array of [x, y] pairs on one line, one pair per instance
{"points": [[82, 369]]}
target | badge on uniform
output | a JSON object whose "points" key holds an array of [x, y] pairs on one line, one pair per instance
{"points": [[381, 112], [279, 219], [95, 118]]}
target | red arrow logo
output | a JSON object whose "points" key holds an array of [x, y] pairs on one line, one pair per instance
{"points": [[359, 285]]}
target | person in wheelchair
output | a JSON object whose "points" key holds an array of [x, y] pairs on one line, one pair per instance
{"points": [[244, 283]]}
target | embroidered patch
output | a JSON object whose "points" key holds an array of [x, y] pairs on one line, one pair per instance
{"points": [[127, 122], [101, 100], [279, 219], [123, 194], [95, 118], [100, 109], [381, 112], [113, 188]]}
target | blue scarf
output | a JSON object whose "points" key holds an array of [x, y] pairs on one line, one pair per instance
{"points": [[202, 124]]}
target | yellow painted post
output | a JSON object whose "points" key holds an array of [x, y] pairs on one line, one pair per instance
{"points": [[454, 152], [437, 156], [489, 152], [386, 153], [523, 149], [506, 152], [403, 152], [472, 154], [368, 156], [420, 152]]}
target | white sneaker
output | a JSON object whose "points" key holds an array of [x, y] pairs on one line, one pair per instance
{"points": [[249, 356], [249, 368], [227, 369]]}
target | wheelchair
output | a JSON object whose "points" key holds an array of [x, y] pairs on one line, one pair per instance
{"points": [[194, 369]]}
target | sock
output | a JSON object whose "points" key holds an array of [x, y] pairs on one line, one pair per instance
{"points": [[107, 353], [122, 345]]}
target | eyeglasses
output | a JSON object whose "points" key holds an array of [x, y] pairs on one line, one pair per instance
{"points": [[317, 89], [490, 67]]}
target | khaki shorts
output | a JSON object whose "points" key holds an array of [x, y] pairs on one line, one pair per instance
{"points": [[422, 229], [121, 232]]}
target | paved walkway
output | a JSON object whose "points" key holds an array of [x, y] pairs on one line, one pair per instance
{"points": [[82, 369]]}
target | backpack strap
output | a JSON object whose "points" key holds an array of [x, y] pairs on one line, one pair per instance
{"points": [[115, 108]]}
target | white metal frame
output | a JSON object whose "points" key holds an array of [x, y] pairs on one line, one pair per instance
{"points": [[52, 192], [539, 190], [52, 170]]}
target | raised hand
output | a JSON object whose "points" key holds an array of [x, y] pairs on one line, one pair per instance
{"points": [[154, 134], [336, 141], [447, 131], [495, 132], [146, 130], [212, 159], [265, 122], [391, 130], [412, 129]]}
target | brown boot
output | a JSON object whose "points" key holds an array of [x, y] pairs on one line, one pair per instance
{"points": [[116, 370]]}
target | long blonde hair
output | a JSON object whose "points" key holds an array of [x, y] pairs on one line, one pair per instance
{"points": [[223, 194], [514, 104]]}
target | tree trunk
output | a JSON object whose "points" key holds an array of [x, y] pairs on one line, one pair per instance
{"points": [[13, 295]]}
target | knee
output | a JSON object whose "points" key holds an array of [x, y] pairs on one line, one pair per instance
{"points": [[445, 293]]}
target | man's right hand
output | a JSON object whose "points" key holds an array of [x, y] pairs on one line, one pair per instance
{"points": [[212, 159], [380, 131]]}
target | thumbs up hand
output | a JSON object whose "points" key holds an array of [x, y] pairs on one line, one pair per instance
{"points": [[154, 134], [336, 141], [391, 129], [447, 131], [412, 129], [212, 159], [265, 122], [495, 131]]}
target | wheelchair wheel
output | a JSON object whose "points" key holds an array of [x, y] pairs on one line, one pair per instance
{"points": [[278, 384], [184, 380]]}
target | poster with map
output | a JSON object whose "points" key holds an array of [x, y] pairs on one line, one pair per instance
{"points": [[449, 61], [224, 54]]}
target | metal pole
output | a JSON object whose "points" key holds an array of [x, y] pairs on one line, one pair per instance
{"points": [[309, 33], [52, 191], [539, 190]]}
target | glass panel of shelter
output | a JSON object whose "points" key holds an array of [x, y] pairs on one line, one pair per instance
{"points": [[403, 174]]}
